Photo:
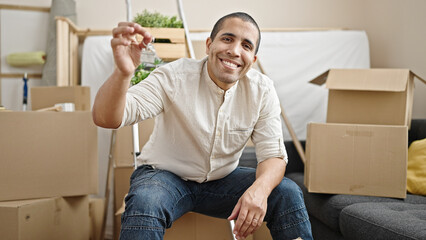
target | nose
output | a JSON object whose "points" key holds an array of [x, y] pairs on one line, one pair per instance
{"points": [[233, 50]]}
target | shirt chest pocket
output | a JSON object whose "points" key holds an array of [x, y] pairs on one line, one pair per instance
{"points": [[237, 137]]}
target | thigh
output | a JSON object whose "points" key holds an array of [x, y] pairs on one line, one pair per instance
{"points": [[159, 194], [218, 198]]}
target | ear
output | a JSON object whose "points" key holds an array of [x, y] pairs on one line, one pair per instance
{"points": [[254, 58], [208, 43]]}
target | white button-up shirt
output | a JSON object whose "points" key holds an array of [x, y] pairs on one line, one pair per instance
{"points": [[201, 130]]}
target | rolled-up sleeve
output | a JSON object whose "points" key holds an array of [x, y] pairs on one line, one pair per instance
{"points": [[144, 100], [267, 134]]}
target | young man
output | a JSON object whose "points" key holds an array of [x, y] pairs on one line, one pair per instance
{"points": [[205, 111]]}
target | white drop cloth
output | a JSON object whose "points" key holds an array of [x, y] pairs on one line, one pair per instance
{"points": [[291, 59]]}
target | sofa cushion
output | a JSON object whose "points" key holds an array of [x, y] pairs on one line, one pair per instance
{"points": [[392, 220], [327, 207]]}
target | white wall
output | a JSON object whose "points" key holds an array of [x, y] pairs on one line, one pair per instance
{"points": [[395, 28]]}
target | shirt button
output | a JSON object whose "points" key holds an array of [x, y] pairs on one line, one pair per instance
{"points": [[218, 133]]}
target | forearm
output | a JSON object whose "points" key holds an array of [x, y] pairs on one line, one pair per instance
{"points": [[269, 174], [110, 101]]}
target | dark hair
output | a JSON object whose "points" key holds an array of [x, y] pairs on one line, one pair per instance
{"points": [[241, 15]]}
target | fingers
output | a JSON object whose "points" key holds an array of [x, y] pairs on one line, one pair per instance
{"points": [[246, 223], [239, 223], [253, 225], [250, 215], [128, 30], [120, 41]]}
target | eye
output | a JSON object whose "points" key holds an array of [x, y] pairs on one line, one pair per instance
{"points": [[247, 46], [226, 39]]}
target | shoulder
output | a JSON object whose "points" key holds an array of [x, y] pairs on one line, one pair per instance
{"points": [[259, 81]]}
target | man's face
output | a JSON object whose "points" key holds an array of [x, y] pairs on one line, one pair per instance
{"points": [[232, 52]]}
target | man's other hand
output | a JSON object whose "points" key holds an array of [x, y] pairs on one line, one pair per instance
{"points": [[249, 212]]}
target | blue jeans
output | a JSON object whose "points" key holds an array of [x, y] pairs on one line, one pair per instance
{"points": [[158, 197]]}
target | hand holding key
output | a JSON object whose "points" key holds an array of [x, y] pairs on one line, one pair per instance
{"points": [[126, 49]]}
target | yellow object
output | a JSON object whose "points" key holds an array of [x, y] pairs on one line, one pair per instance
{"points": [[24, 59], [416, 172]]}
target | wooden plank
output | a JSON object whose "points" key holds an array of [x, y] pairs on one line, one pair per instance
{"points": [[24, 8], [175, 35], [66, 57], [82, 33], [59, 51], [74, 66], [62, 53], [70, 24], [0, 72], [20, 75], [170, 52]]}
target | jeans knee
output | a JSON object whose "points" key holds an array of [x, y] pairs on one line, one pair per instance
{"points": [[148, 204], [286, 202], [288, 191]]}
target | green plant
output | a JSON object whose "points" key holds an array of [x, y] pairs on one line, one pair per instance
{"points": [[147, 19], [142, 72]]}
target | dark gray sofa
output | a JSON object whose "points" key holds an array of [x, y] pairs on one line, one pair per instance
{"points": [[336, 216]]}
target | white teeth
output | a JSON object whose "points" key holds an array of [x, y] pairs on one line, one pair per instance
{"points": [[230, 64]]}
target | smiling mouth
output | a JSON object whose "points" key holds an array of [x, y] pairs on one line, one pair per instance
{"points": [[230, 64]]}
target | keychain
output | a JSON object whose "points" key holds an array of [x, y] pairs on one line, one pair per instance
{"points": [[148, 54]]}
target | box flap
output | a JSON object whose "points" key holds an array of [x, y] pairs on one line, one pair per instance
{"points": [[20, 203], [418, 77], [393, 80], [321, 79]]}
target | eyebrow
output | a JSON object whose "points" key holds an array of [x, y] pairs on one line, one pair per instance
{"points": [[233, 35]]}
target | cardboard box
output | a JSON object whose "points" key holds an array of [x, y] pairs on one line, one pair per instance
{"points": [[96, 213], [194, 226], [47, 154], [356, 159], [123, 149], [44, 97], [262, 233], [44, 219], [362, 149], [369, 96]]}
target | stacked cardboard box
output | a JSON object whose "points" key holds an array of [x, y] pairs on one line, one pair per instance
{"points": [[49, 166], [362, 149]]}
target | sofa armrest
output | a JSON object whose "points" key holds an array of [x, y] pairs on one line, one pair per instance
{"points": [[295, 163], [417, 130]]}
